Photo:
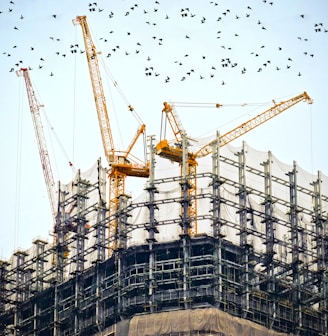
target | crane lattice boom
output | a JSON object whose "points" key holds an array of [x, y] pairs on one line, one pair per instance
{"points": [[103, 119], [253, 123], [35, 108], [174, 121]]}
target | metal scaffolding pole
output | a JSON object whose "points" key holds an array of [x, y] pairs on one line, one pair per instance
{"points": [[39, 276], [321, 248], [79, 228], [3, 284], [61, 254], [121, 236], [185, 225], [60, 232], [246, 247], [39, 263], [152, 229], [269, 222], [294, 236], [20, 290], [217, 222]]}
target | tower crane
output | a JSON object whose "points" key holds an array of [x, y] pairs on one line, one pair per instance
{"points": [[35, 108], [175, 152], [121, 163]]}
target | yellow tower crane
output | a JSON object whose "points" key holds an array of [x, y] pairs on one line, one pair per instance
{"points": [[121, 163], [175, 152]]}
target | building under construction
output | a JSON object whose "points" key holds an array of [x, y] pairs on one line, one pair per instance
{"points": [[257, 264], [231, 243]]}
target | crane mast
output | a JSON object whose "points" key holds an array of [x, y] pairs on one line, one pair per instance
{"points": [[120, 162], [175, 153], [35, 108]]}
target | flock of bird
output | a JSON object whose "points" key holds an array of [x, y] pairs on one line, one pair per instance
{"points": [[150, 39]]}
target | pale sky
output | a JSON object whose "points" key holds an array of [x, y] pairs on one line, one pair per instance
{"points": [[229, 52]]}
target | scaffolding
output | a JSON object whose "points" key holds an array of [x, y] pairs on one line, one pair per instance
{"points": [[259, 260]]}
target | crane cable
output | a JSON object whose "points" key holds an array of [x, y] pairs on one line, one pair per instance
{"points": [[74, 101], [51, 129], [130, 107], [123, 96], [18, 167], [114, 82], [216, 105], [235, 119], [311, 139]]}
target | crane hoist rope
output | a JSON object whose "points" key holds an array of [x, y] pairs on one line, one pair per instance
{"points": [[52, 129], [123, 96], [175, 153], [142, 126], [211, 105]]}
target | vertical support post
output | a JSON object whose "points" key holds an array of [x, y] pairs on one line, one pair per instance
{"points": [[60, 232], [3, 284], [121, 238], [293, 218], [243, 232], [99, 275], [217, 221], [216, 183], [39, 263], [100, 236], [101, 215], [269, 239], [321, 248], [39, 276], [79, 228], [35, 318], [61, 252], [185, 225], [152, 229], [19, 288], [20, 276], [79, 223], [101, 246], [55, 319]]}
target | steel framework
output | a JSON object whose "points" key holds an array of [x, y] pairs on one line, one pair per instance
{"points": [[282, 286]]}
